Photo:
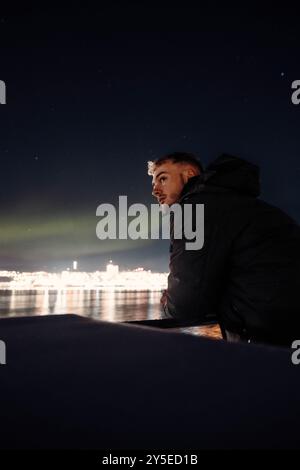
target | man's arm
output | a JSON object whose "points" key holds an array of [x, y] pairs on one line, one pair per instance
{"points": [[197, 277]]}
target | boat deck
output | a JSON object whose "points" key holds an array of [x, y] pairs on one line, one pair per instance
{"points": [[71, 382]]}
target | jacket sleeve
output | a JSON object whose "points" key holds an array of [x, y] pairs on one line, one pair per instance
{"points": [[197, 277]]}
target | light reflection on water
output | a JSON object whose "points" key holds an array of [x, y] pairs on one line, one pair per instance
{"points": [[108, 305]]}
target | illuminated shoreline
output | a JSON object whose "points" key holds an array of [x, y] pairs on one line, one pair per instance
{"points": [[111, 280]]}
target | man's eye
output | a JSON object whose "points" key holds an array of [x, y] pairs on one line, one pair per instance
{"points": [[162, 179]]}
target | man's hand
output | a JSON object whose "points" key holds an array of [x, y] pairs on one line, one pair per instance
{"points": [[163, 299]]}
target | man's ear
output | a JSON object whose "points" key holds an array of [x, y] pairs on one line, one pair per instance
{"points": [[188, 173]]}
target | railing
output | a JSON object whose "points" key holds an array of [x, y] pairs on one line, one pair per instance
{"points": [[171, 323]]}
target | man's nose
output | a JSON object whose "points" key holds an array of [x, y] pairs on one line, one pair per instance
{"points": [[155, 190]]}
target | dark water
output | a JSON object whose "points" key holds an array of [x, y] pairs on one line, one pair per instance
{"points": [[108, 305]]}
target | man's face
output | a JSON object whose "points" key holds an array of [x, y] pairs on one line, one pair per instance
{"points": [[168, 182]]}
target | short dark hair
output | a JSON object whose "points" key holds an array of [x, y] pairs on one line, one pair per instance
{"points": [[175, 157]]}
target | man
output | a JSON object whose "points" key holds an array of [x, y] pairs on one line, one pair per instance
{"points": [[248, 270]]}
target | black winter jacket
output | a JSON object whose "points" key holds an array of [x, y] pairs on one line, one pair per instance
{"points": [[248, 271]]}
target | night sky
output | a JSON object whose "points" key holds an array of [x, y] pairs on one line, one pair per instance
{"points": [[93, 94]]}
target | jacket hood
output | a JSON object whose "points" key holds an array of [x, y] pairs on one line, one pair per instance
{"points": [[228, 172]]}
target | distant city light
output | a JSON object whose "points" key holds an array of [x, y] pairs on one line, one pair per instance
{"points": [[112, 279]]}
